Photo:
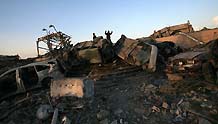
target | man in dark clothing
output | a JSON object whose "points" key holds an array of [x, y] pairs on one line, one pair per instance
{"points": [[94, 36], [108, 34]]}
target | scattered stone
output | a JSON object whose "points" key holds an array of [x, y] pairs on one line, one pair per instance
{"points": [[174, 77], [43, 112], [178, 111], [168, 89], [102, 114], [144, 117], [105, 121], [185, 106], [155, 109], [11, 122], [138, 119], [139, 111], [178, 118], [213, 111], [158, 82], [121, 121], [206, 105], [114, 122], [65, 120], [165, 105], [4, 103], [203, 121], [150, 89], [118, 111]]}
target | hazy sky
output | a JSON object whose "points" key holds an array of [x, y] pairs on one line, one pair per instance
{"points": [[22, 21]]}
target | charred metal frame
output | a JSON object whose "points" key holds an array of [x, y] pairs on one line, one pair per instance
{"points": [[54, 41]]}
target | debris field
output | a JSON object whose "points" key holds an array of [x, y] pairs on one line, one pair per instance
{"points": [[170, 77]]}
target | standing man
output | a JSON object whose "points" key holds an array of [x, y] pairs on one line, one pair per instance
{"points": [[94, 36], [108, 34]]}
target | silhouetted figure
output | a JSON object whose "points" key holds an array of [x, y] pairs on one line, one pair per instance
{"points": [[108, 34], [94, 36]]}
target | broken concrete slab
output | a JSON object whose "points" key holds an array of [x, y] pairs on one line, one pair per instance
{"points": [[102, 114], [77, 87], [43, 112], [188, 40], [172, 30], [174, 77]]}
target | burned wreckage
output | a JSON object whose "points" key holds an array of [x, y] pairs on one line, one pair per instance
{"points": [[69, 77]]}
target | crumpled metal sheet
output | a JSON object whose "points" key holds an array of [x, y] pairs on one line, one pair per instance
{"points": [[186, 55], [137, 53], [133, 52], [92, 55]]}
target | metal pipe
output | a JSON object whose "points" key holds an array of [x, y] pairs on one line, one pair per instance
{"points": [[55, 116]]}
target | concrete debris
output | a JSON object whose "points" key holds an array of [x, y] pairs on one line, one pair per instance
{"points": [[149, 89], [102, 114], [203, 121], [165, 105], [169, 77], [66, 120], [172, 30], [139, 111], [155, 109], [78, 87], [105, 121], [114, 122], [174, 77], [43, 112], [118, 112]]}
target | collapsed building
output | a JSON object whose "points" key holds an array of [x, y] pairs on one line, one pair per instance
{"points": [[172, 30], [185, 36], [133, 80]]}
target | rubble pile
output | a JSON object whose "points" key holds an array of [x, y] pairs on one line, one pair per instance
{"points": [[133, 81]]}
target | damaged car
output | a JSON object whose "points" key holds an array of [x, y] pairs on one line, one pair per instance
{"points": [[186, 61], [24, 78], [201, 59]]}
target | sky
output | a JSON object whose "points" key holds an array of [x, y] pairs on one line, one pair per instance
{"points": [[22, 21]]}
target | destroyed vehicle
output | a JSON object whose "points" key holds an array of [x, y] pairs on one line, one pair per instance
{"points": [[187, 62], [165, 49], [137, 53], [24, 78], [200, 61], [97, 51], [77, 60], [193, 59]]}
